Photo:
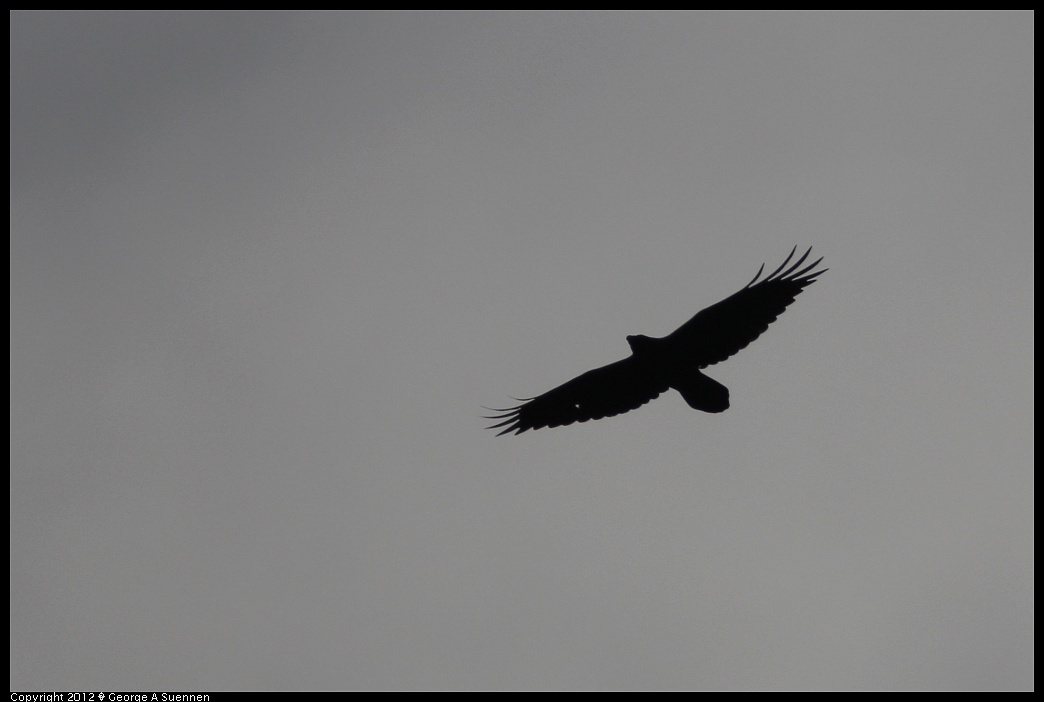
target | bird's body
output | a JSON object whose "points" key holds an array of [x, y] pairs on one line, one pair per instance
{"points": [[674, 361]]}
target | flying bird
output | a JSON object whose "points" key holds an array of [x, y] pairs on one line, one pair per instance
{"points": [[672, 361]]}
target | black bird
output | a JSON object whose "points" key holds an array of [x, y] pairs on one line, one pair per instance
{"points": [[673, 361]]}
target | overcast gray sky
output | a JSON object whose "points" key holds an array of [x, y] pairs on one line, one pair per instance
{"points": [[266, 268]]}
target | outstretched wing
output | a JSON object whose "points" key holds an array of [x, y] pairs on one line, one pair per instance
{"points": [[723, 329], [603, 392]]}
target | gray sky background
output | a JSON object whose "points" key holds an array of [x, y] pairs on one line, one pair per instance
{"points": [[266, 268]]}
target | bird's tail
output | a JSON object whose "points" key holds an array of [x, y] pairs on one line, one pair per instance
{"points": [[702, 393]]}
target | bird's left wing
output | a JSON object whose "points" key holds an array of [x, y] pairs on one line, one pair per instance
{"points": [[603, 392], [729, 326]]}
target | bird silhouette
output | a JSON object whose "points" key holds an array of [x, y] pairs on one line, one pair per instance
{"points": [[672, 361]]}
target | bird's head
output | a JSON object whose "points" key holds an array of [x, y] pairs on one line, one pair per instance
{"points": [[640, 343]]}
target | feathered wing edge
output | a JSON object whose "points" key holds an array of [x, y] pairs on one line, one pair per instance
{"points": [[790, 275], [510, 417]]}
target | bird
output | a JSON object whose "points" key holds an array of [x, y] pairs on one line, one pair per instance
{"points": [[673, 361]]}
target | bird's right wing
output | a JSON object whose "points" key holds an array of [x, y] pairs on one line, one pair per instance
{"points": [[603, 392]]}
